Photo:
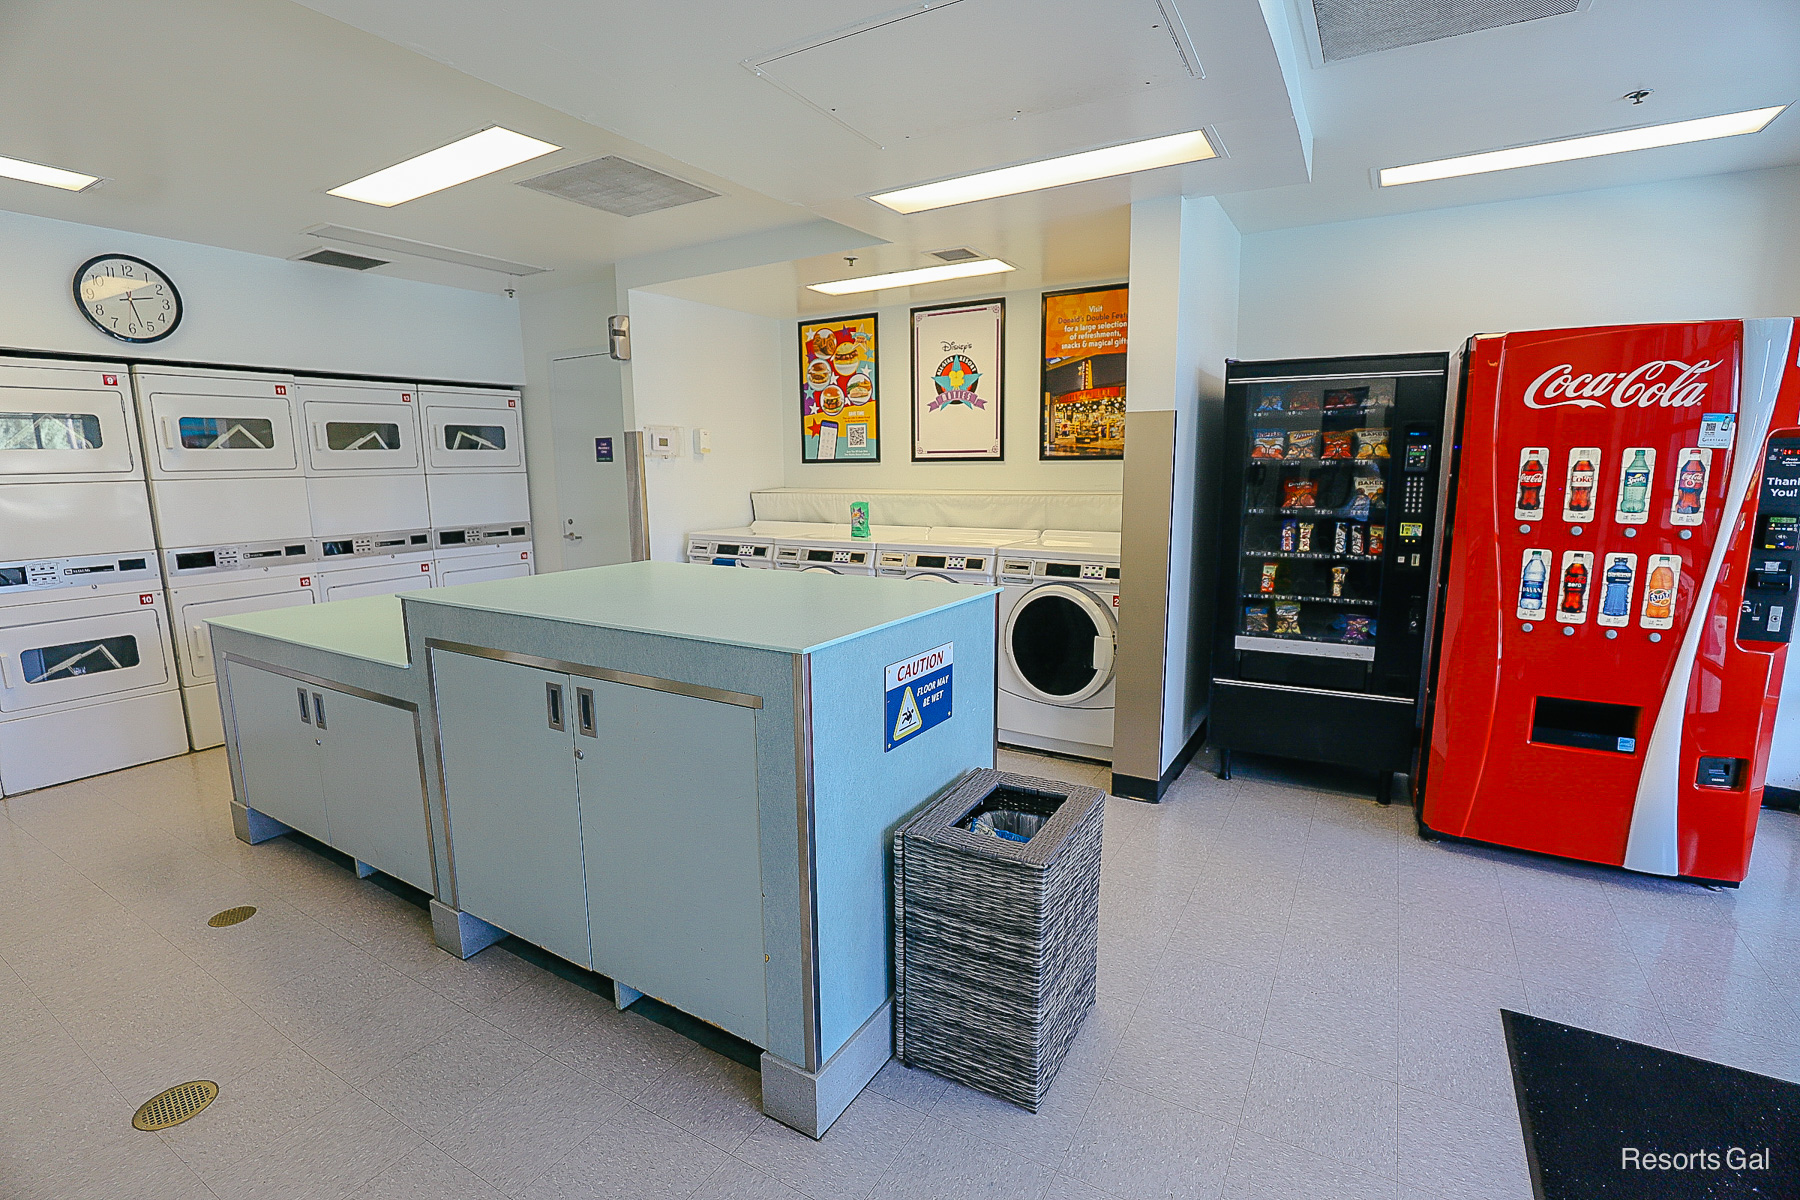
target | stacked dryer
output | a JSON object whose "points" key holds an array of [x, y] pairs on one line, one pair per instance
{"points": [[365, 488], [475, 485], [1059, 605], [229, 491], [87, 675]]}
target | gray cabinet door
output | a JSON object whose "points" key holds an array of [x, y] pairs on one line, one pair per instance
{"points": [[669, 824], [277, 750], [374, 795], [509, 783]]}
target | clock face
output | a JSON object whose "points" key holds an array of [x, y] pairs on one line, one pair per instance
{"points": [[127, 298]]}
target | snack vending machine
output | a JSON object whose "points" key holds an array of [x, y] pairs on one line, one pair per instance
{"points": [[1331, 479], [1618, 591]]}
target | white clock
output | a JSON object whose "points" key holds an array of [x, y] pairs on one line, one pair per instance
{"points": [[127, 298]]}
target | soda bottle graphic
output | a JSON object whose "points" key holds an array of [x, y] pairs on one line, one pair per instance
{"points": [[1533, 580], [1574, 587], [1584, 471], [1531, 485], [1690, 489], [1615, 599], [1659, 595], [1634, 488]]}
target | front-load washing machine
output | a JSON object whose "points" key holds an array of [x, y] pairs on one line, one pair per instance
{"points": [[739, 547], [224, 581], [832, 554], [1058, 617], [949, 554], [377, 564], [478, 553]]}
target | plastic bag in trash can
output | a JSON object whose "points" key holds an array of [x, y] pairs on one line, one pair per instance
{"points": [[1003, 823]]}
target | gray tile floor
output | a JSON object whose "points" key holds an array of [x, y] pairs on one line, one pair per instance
{"points": [[1299, 999]]}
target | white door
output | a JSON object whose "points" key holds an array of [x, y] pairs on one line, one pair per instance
{"points": [[360, 436], [194, 643], [52, 662], [593, 497], [64, 431], [222, 434], [472, 439]]}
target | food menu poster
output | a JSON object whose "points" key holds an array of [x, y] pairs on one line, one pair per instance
{"points": [[1084, 374], [956, 384], [839, 419]]}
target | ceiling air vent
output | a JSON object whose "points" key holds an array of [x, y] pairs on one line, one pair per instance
{"points": [[1350, 28], [337, 258], [619, 186], [956, 254]]}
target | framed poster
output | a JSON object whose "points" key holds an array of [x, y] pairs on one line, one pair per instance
{"points": [[1083, 379], [839, 415], [956, 366]]}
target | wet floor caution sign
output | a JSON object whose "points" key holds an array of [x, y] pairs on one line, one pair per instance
{"points": [[918, 694]]}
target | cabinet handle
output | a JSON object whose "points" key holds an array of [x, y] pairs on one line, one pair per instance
{"points": [[305, 713], [553, 705], [584, 712], [319, 709]]}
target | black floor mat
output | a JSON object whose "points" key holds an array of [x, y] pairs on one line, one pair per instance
{"points": [[1608, 1118]]}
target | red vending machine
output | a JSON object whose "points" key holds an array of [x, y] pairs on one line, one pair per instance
{"points": [[1617, 590]]}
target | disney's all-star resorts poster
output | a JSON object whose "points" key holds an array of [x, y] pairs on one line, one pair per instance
{"points": [[956, 362]]}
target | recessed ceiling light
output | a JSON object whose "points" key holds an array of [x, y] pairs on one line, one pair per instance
{"points": [[897, 279], [1053, 172], [1592, 146], [56, 177], [493, 149]]}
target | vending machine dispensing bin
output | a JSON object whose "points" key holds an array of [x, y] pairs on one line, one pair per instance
{"points": [[1618, 590]]}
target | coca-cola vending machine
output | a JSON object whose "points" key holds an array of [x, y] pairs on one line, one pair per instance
{"points": [[1617, 593]]}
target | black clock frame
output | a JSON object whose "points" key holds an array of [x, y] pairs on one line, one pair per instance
{"points": [[75, 291]]}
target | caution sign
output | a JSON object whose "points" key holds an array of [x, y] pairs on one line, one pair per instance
{"points": [[918, 694]]}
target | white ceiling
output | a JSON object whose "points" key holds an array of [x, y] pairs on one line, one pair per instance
{"points": [[243, 112]]}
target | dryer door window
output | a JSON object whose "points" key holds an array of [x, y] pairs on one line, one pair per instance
{"points": [[1059, 639], [58, 661], [361, 437], [473, 438], [47, 431], [222, 433]]}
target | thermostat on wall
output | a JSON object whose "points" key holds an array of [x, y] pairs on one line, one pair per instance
{"points": [[662, 441]]}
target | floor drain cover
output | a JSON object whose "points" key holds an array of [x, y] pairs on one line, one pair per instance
{"points": [[232, 916], [167, 1109]]}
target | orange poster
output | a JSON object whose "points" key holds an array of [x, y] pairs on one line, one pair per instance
{"points": [[1084, 374]]}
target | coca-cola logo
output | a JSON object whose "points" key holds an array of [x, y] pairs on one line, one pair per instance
{"points": [[1665, 383]]}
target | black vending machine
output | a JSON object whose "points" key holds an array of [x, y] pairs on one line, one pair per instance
{"points": [[1331, 476]]}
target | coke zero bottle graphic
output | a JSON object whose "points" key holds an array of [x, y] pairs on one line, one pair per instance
{"points": [[1532, 581], [1634, 492], [1581, 485], [1615, 601], [1531, 484], [1690, 486], [1574, 587]]}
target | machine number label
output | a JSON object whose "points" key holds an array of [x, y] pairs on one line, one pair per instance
{"points": [[918, 694], [146, 598]]}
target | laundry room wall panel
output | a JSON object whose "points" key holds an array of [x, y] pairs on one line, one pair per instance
{"points": [[254, 310], [699, 366]]}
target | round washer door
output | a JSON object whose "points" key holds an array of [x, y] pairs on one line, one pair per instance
{"points": [[817, 571], [1059, 639], [931, 579]]}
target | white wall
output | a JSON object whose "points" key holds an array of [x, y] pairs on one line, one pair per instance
{"points": [[698, 366], [1021, 470], [248, 310], [553, 323], [1720, 246]]}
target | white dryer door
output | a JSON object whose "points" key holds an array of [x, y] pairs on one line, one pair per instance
{"points": [[360, 437], [1060, 640], [196, 641], [56, 661], [473, 439], [64, 431], [214, 434]]}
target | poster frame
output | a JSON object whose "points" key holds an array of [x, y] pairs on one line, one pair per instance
{"points": [[800, 333], [1044, 405], [920, 379]]}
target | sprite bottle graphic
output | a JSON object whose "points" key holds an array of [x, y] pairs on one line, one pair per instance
{"points": [[1634, 494]]}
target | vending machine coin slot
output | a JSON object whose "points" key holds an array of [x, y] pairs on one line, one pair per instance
{"points": [[1720, 772], [1585, 724]]}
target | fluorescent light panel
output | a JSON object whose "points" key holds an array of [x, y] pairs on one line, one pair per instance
{"points": [[493, 149], [1053, 172], [898, 279], [1592, 146], [56, 177]]}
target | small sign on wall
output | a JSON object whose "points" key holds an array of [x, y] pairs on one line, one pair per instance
{"points": [[603, 451], [918, 694]]}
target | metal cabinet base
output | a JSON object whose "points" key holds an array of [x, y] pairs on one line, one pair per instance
{"points": [[811, 1100]]}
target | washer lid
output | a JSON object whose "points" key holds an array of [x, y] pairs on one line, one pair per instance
{"points": [[1060, 640]]}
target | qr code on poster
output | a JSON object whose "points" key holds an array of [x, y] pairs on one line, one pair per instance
{"points": [[857, 436]]}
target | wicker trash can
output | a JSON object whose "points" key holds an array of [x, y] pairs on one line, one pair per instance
{"points": [[995, 938]]}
